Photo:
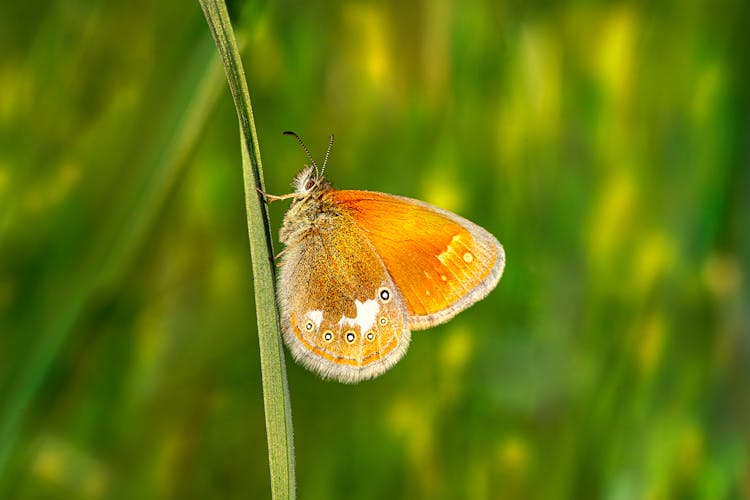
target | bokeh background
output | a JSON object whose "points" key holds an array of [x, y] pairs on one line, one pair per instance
{"points": [[606, 144]]}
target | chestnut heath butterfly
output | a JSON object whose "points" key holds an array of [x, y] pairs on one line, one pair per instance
{"points": [[361, 270]]}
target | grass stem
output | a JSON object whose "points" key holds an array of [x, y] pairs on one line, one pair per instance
{"points": [[275, 388]]}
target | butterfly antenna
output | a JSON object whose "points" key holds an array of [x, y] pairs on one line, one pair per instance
{"points": [[307, 151], [328, 152]]}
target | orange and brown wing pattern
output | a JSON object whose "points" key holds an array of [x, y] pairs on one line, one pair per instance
{"points": [[341, 313], [440, 262]]}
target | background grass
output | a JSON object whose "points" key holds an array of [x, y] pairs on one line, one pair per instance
{"points": [[605, 144]]}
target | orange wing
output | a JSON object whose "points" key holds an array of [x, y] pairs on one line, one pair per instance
{"points": [[441, 263]]}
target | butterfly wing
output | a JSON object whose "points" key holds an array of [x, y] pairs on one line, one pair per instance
{"points": [[440, 262], [342, 316]]}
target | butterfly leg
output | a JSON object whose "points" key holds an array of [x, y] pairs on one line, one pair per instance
{"points": [[277, 256], [272, 197]]}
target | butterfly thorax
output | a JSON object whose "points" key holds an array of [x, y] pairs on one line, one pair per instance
{"points": [[310, 208]]}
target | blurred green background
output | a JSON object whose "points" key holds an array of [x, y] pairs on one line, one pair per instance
{"points": [[606, 144]]}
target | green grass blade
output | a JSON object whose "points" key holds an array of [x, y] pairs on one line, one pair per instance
{"points": [[275, 388]]}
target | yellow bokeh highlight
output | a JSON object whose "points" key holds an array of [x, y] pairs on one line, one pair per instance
{"points": [[690, 451], [413, 422], [655, 258], [442, 189], [17, 87], [612, 216], [151, 348], [513, 454], [373, 54], [615, 57], [457, 350], [541, 79], [49, 464], [650, 343], [59, 463]]}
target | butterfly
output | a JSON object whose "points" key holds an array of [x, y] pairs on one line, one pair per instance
{"points": [[360, 270]]}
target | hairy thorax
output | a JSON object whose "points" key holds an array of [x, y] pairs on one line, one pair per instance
{"points": [[305, 215]]}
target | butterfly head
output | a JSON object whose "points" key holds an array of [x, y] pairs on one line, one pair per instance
{"points": [[311, 180]]}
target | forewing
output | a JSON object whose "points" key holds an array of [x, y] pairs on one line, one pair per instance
{"points": [[440, 262]]}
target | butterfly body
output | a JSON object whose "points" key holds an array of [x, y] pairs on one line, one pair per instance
{"points": [[362, 269]]}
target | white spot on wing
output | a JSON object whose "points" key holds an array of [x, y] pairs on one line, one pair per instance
{"points": [[446, 254], [316, 317], [367, 311]]}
